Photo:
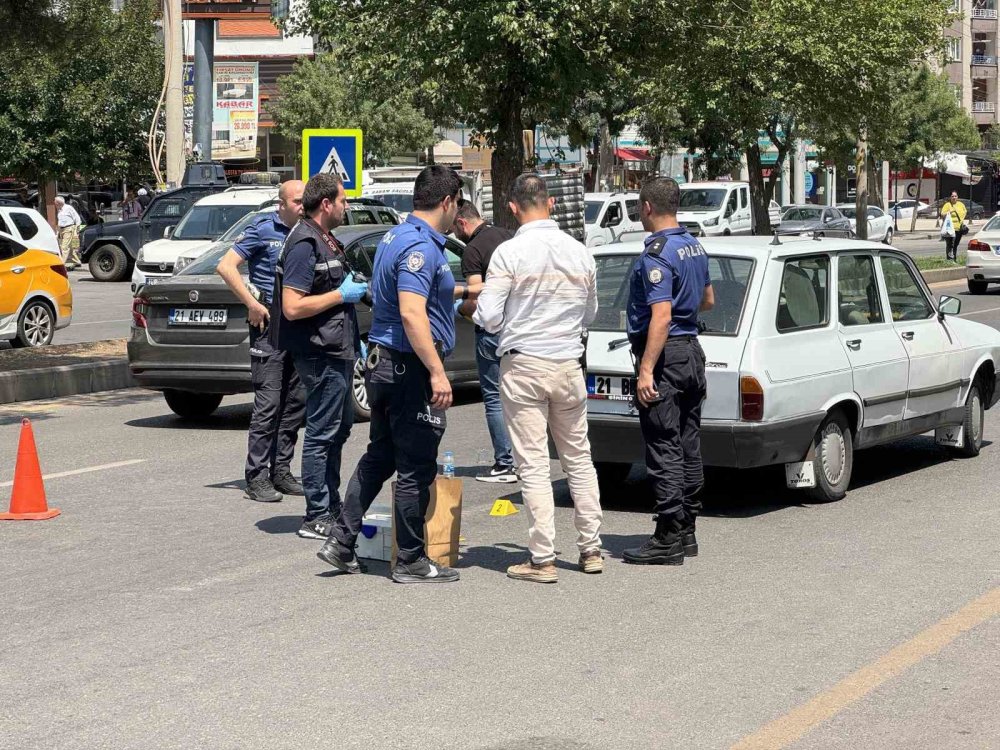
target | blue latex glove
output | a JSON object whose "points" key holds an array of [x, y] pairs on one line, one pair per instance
{"points": [[351, 290]]}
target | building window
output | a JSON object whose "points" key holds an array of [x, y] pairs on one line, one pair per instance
{"points": [[954, 49]]}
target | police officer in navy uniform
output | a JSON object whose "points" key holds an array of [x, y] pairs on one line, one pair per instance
{"points": [[669, 285], [315, 293], [413, 330], [279, 401]]}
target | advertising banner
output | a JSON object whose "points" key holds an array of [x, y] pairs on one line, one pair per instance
{"points": [[234, 110]]}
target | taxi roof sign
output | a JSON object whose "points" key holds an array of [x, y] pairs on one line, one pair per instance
{"points": [[335, 151]]}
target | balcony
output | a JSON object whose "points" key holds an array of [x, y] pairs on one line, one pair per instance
{"points": [[984, 13], [984, 107], [984, 59]]}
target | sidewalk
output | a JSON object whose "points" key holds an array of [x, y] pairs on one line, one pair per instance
{"points": [[926, 230]]}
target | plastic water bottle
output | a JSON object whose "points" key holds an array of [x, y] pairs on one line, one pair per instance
{"points": [[448, 465]]}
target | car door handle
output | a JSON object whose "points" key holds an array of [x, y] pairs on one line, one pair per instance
{"points": [[907, 335], [854, 344], [18, 269]]}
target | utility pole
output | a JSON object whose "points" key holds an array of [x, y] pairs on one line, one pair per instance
{"points": [[173, 42], [204, 96]]}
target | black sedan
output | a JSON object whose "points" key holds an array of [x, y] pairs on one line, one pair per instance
{"points": [[190, 338], [809, 219]]}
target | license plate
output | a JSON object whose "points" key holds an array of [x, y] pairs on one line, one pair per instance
{"points": [[610, 387], [189, 316]]}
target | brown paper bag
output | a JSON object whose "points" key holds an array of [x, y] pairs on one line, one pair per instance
{"points": [[443, 523]]}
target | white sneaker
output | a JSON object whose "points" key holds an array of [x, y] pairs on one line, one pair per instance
{"points": [[499, 475]]}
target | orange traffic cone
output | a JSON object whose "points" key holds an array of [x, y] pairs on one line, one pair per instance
{"points": [[27, 501]]}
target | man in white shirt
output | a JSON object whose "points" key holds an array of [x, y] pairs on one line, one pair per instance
{"points": [[540, 295], [69, 233]]}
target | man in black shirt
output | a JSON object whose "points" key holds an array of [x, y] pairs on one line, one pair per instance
{"points": [[481, 239]]}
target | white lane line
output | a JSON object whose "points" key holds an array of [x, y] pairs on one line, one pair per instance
{"points": [[981, 312], [86, 470]]}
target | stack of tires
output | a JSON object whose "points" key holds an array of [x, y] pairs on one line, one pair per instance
{"points": [[567, 189]]}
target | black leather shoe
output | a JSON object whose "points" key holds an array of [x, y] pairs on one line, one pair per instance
{"points": [[663, 548], [261, 490], [286, 483], [688, 538]]}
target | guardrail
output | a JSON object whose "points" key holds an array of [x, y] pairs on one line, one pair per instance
{"points": [[984, 107], [984, 13], [984, 60]]}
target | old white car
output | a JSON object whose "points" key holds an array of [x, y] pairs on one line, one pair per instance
{"points": [[815, 348]]}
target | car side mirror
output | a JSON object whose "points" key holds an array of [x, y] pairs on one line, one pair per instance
{"points": [[167, 232], [949, 306], [729, 211], [826, 219]]}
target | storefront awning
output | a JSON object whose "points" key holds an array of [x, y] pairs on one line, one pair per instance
{"points": [[633, 154]]}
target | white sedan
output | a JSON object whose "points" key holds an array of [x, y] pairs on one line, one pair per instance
{"points": [[982, 261], [879, 222], [815, 348]]}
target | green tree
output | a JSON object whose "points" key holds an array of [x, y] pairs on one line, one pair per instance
{"points": [[80, 86], [325, 93], [496, 65]]}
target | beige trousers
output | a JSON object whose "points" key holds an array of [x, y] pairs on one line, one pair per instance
{"points": [[539, 394], [69, 244]]}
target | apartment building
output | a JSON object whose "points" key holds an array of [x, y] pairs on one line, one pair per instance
{"points": [[972, 58]]}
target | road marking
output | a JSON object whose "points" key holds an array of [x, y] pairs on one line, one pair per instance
{"points": [[980, 312], [86, 470], [791, 727]]}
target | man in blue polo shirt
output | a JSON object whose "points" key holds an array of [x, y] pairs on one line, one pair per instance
{"points": [[279, 401], [413, 330], [669, 285]]}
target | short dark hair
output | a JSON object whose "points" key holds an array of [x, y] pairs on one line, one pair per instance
{"points": [[663, 195], [324, 185], [467, 210], [433, 185], [529, 190]]}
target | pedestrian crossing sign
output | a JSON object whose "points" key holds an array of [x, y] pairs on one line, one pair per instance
{"points": [[334, 151]]}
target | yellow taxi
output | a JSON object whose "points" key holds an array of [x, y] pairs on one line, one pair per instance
{"points": [[35, 296]]}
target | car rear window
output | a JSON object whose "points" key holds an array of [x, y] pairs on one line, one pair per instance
{"points": [[730, 281], [25, 225]]}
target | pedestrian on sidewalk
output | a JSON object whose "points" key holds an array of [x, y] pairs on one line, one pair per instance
{"points": [[413, 330], [144, 198], [131, 207], [668, 287], [540, 295], [315, 294], [956, 209], [279, 398], [481, 240], [69, 233]]}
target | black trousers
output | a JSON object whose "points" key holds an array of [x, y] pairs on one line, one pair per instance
{"points": [[951, 243], [405, 432], [279, 408], [671, 426]]}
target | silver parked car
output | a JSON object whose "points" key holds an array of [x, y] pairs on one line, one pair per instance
{"points": [[821, 220], [196, 360]]}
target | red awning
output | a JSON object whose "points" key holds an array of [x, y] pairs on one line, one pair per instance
{"points": [[633, 154]]}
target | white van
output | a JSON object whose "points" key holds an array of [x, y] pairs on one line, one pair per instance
{"points": [[711, 209], [612, 217]]}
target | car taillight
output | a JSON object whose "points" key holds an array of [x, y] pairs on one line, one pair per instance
{"points": [[978, 246], [140, 309], [60, 269], [751, 399]]}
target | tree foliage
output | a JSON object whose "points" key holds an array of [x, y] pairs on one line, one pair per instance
{"points": [[325, 93], [80, 86]]}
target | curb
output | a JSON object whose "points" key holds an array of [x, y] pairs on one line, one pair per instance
{"points": [[64, 380], [937, 275]]}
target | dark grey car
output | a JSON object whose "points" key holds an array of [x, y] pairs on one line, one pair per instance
{"points": [[190, 337], [819, 219]]}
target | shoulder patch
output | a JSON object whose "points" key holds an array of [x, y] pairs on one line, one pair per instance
{"points": [[657, 246], [240, 238], [655, 276], [415, 261]]}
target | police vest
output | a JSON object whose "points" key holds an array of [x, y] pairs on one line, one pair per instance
{"points": [[334, 331]]}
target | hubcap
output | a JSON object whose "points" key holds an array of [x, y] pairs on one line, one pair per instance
{"points": [[360, 392], [977, 419], [834, 453], [106, 262], [37, 325]]}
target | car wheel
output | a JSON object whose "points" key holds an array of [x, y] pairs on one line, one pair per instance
{"points": [[972, 425], [109, 263], [35, 327], [611, 475], [888, 236], [977, 287], [977, 217], [359, 393], [192, 405], [834, 458]]}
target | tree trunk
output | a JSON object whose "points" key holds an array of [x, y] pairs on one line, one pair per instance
{"points": [[876, 188], [758, 196], [606, 157], [861, 201], [920, 188], [508, 158], [430, 155], [47, 201]]}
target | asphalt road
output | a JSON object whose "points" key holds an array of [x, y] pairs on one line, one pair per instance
{"points": [[163, 610]]}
